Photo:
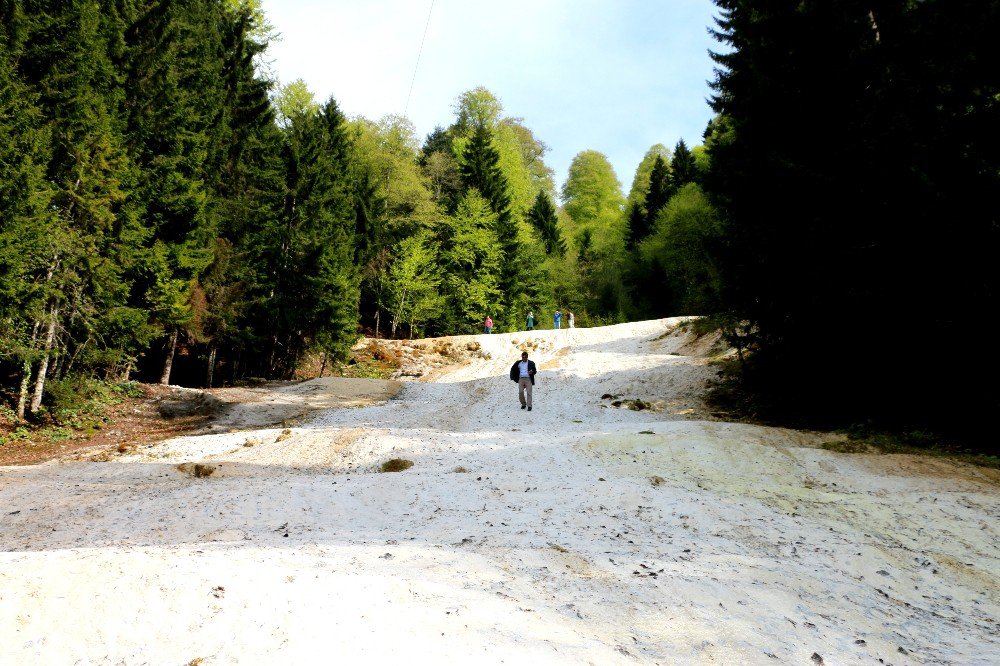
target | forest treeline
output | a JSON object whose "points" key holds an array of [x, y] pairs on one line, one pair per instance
{"points": [[170, 212]]}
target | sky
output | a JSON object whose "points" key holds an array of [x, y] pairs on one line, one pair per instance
{"points": [[616, 76]]}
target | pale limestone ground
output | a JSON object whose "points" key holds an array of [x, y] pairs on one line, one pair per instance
{"points": [[579, 532]]}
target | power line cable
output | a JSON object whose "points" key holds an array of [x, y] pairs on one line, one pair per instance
{"points": [[419, 53]]}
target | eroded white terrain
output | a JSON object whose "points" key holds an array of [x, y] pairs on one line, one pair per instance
{"points": [[577, 533]]}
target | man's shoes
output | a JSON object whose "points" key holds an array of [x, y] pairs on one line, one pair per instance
{"points": [[523, 406], [529, 409]]}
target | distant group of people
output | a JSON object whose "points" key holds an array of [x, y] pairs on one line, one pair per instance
{"points": [[523, 372], [557, 318]]}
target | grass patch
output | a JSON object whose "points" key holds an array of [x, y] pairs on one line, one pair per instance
{"points": [[915, 442], [396, 465], [846, 446], [703, 325]]}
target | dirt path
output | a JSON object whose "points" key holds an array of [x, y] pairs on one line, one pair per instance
{"points": [[577, 533]]}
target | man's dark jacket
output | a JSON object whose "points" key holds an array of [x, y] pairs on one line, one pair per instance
{"points": [[515, 372]]}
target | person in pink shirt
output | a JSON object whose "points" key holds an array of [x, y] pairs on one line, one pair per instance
{"points": [[489, 324]]}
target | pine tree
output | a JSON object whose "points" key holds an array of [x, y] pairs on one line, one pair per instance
{"points": [[661, 188], [471, 263], [315, 299], [480, 171], [683, 169], [25, 199], [68, 60], [636, 224], [543, 217], [249, 190], [854, 135], [175, 101]]}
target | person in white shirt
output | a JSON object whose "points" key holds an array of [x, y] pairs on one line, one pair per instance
{"points": [[523, 372]]}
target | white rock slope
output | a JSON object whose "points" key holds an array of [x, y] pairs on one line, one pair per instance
{"points": [[578, 533]]}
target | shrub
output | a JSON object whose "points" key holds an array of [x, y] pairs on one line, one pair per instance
{"points": [[396, 465]]}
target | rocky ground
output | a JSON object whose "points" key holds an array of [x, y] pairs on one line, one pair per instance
{"points": [[619, 521]]}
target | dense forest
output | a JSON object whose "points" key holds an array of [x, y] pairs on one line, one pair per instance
{"points": [[170, 212], [856, 158]]}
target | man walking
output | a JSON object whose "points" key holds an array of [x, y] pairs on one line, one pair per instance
{"points": [[557, 319], [523, 372], [488, 324]]}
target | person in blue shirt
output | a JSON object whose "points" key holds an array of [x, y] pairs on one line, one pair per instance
{"points": [[557, 319]]}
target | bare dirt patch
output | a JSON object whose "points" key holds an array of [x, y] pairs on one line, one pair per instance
{"points": [[288, 403], [164, 412], [134, 421]]}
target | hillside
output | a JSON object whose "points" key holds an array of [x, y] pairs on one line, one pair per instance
{"points": [[580, 532]]}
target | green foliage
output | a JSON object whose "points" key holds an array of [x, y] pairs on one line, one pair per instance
{"points": [[25, 213], [543, 218], [680, 255], [865, 439], [317, 285], [532, 154], [661, 188], [413, 284], [471, 262], [294, 102], [592, 197], [475, 109], [594, 205], [77, 401], [480, 171], [640, 181], [683, 168]]}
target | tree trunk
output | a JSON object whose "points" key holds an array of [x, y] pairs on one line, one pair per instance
{"points": [[43, 367], [169, 362], [211, 366], [322, 367], [378, 317], [273, 360], [59, 364], [22, 397]]}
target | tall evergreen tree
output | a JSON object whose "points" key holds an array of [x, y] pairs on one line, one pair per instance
{"points": [[866, 137], [683, 169], [543, 218], [480, 171], [316, 290], [176, 95], [94, 231], [661, 188], [25, 215], [471, 263]]}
